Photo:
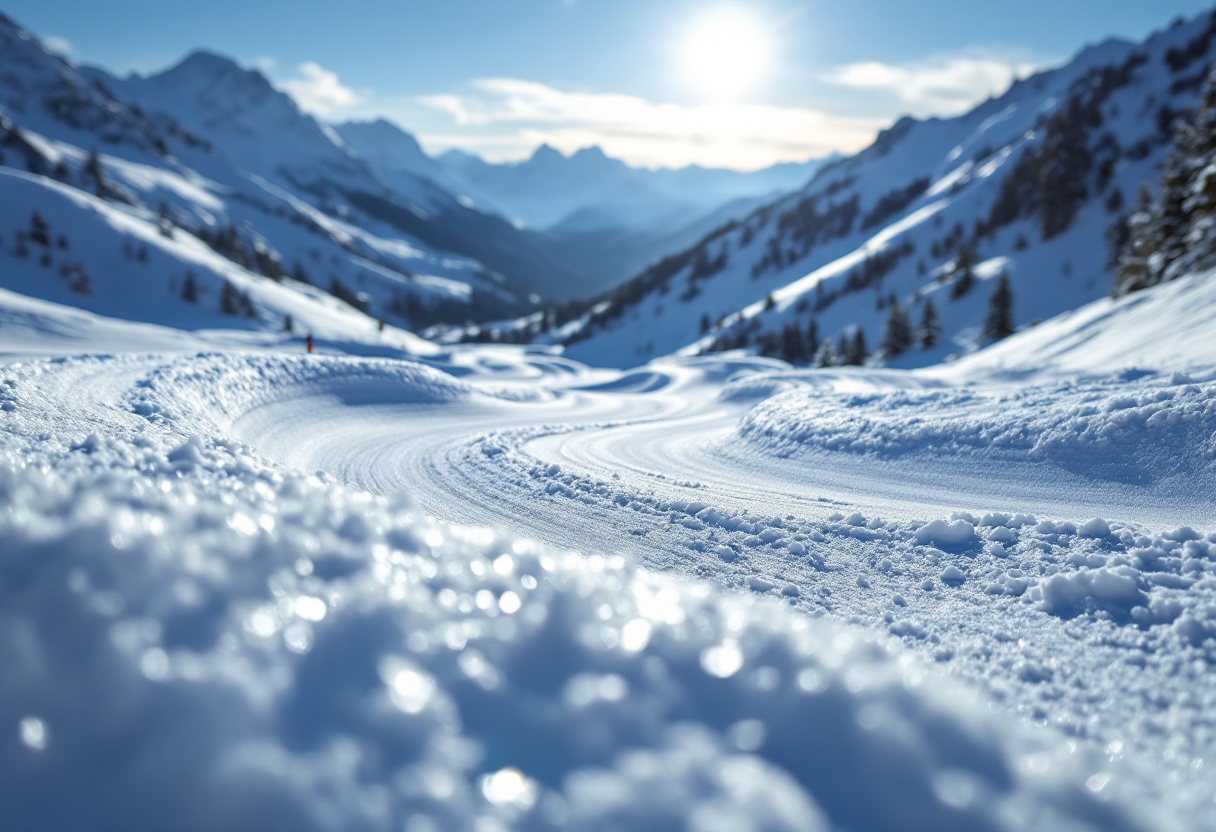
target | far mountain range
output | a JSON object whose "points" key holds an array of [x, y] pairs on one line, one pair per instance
{"points": [[600, 217]]}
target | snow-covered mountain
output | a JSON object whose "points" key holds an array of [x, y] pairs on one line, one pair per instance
{"points": [[611, 220], [127, 211], [590, 189], [393, 586], [255, 126], [1027, 185], [401, 161], [983, 579], [261, 130], [599, 217]]}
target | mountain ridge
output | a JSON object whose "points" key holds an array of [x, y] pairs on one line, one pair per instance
{"points": [[262, 131], [1025, 185], [596, 214]]}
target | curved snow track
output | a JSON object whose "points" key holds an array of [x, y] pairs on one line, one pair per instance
{"points": [[664, 433], [958, 519], [652, 464]]}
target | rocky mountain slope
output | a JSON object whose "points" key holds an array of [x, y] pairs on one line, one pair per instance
{"points": [[1028, 186], [121, 206], [260, 130]]}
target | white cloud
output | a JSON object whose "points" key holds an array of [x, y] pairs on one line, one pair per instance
{"points": [[264, 63], [939, 86], [319, 91], [507, 117], [59, 46]]}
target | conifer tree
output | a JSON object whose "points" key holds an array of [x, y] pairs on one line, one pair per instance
{"points": [[826, 356], [1135, 270], [230, 301], [929, 331], [897, 334], [858, 350], [964, 276], [80, 282], [40, 231], [1176, 233], [92, 169], [999, 322], [793, 349], [963, 283], [189, 289]]}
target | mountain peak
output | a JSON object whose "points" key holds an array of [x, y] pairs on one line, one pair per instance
{"points": [[204, 64], [384, 143], [382, 129], [455, 154], [546, 153], [593, 152], [595, 159]]}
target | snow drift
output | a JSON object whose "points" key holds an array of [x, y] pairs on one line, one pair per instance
{"points": [[195, 639], [1124, 429]]}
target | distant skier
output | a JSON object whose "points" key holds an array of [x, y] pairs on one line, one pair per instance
{"points": [[308, 342]]}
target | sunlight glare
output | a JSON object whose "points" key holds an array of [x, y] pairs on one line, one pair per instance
{"points": [[725, 54]]}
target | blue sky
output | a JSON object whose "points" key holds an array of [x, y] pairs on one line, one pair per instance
{"points": [[657, 82]]}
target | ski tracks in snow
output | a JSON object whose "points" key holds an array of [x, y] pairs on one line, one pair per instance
{"points": [[996, 567]]}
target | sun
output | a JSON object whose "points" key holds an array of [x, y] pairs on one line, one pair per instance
{"points": [[725, 54]]}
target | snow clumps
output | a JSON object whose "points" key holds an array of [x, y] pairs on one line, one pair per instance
{"points": [[1137, 431], [192, 638]]}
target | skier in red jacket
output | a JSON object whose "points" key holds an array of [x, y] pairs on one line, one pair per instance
{"points": [[308, 342]]}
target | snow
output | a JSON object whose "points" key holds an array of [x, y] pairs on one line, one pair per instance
{"points": [[392, 585], [492, 587], [1166, 329], [334, 660], [1148, 431], [939, 532]]}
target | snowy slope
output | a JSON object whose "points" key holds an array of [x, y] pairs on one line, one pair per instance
{"points": [[335, 662], [72, 152], [401, 587], [401, 161], [1170, 327], [1029, 182], [937, 629], [261, 131], [156, 222]]}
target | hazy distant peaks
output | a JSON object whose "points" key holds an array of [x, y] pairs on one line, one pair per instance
{"points": [[203, 67], [546, 153], [380, 132]]}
